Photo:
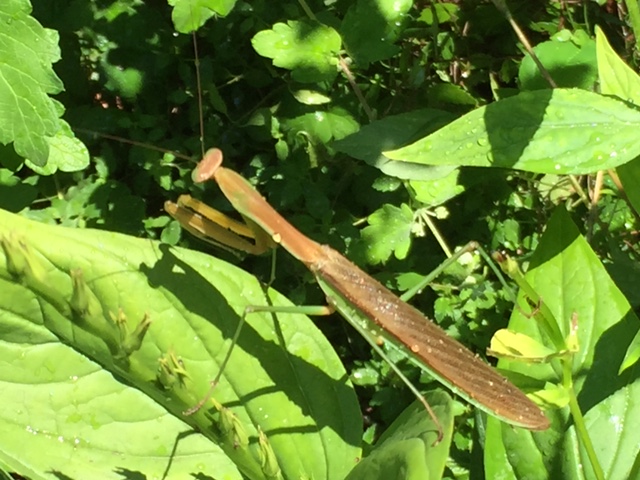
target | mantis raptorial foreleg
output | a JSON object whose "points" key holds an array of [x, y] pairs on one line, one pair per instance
{"points": [[212, 226]]}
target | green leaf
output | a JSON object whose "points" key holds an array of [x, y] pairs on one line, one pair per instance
{"points": [[633, 354], [370, 28], [66, 153], [444, 93], [556, 188], [321, 126], [389, 232], [408, 447], [311, 97], [629, 175], [127, 82], [507, 232], [508, 344], [391, 132], [75, 418], [171, 233], [107, 339], [545, 131], [365, 377], [439, 13], [27, 50], [15, 194], [570, 61], [437, 191], [570, 279], [309, 50], [617, 78], [189, 15]]}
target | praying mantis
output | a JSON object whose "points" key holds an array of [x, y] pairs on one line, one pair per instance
{"points": [[373, 310]]}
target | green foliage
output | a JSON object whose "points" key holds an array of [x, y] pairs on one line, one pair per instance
{"points": [[389, 232], [408, 446], [564, 262], [308, 50], [370, 29], [544, 131], [189, 15], [374, 126], [29, 117], [570, 59], [120, 367]]}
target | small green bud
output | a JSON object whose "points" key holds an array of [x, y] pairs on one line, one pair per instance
{"points": [[268, 459], [133, 341]]}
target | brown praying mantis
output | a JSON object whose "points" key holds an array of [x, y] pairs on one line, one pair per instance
{"points": [[373, 310]]}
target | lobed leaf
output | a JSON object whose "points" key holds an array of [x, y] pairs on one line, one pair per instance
{"points": [[388, 233], [370, 28], [189, 15], [27, 50], [308, 50]]}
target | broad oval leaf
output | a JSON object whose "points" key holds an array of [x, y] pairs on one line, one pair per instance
{"points": [[562, 131], [617, 78], [569, 58], [105, 333], [410, 445], [564, 262]]}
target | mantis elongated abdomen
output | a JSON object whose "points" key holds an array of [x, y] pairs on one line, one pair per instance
{"points": [[447, 359]]}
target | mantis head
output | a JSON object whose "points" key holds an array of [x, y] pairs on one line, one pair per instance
{"points": [[206, 168]]}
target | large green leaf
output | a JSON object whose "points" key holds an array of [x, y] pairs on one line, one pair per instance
{"points": [[64, 414], [82, 390], [391, 132], [572, 282], [410, 446], [29, 117], [617, 78], [561, 131], [569, 58]]}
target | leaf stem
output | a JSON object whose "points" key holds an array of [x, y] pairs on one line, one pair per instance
{"points": [[578, 420]]}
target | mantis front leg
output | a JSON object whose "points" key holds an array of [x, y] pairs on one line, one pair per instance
{"points": [[216, 228]]}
